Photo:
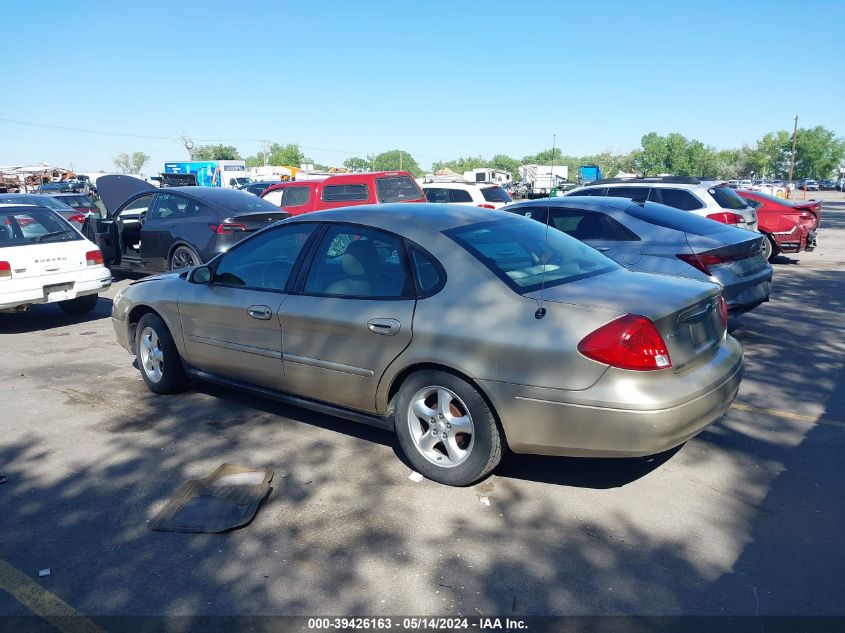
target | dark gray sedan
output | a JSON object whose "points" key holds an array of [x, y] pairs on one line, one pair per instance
{"points": [[463, 330], [43, 200], [655, 238]]}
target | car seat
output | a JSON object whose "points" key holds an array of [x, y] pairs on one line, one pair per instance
{"points": [[360, 264]]}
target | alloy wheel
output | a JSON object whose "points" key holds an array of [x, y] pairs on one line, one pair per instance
{"points": [[152, 357], [441, 426], [183, 258]]}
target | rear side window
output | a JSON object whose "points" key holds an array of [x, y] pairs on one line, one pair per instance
{"points": [[426, 272], [628, 192], [587, 225], [397, 189], [345, 193], [274, 197], [295, 197], [137, 207], [680, 199], [496, 194], [754, 204], [437, 195], [671, 218], [727, 198], [591, 191], [459, 195]]}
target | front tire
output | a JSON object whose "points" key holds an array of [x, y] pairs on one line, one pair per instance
{"points": [[446, 429], [158, 359], [80, 305], [184, 257]]}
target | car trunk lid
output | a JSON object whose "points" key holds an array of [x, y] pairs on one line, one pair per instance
{"points": [[256, 220]]}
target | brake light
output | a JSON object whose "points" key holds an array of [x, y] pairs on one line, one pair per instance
{"points": [[486, 206], [227, 228], [723, 311], [79, 217], [629, 342], [5, 270], [94, 258], [726, 217]]}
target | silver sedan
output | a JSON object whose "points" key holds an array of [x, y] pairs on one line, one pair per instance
{"points": [[464, 330]]}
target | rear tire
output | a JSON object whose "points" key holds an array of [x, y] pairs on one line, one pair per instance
{"points": [[446, 429], [770, 249], [184, 256], [158, 358], [80, 305]]}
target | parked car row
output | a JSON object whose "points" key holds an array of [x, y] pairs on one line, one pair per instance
{"points": [[611, 304]]}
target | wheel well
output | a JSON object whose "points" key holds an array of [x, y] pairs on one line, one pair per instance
{"points": [[177, 245], [132, 320], [403, 375]]}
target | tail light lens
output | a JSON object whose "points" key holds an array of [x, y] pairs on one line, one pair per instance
{"points": [[726, 217], [629, 342], [486, 206], [79, 217], [723, 311], [94, 258], [227, 228], [5, 270]]}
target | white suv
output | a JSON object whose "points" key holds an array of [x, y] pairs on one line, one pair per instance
{"points": [[43, 259], [712, 199], [482, 194]]}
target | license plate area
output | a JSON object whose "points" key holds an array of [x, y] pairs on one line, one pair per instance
{"points": [[59, 292]]}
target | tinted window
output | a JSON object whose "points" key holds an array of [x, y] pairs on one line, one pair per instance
{"points": [[754, 204], [437, 195], [77, 201], [459, 195], [18, 228], [628, 192], [397, 189], [266, 260], [169, 206], [588, 225], [426, 272], [591, 191], [345, 193], [727, 198], [671, 218], [496, 194], [523, 254], [357, 262], [137, 207], [680, 199], [295, 197]]}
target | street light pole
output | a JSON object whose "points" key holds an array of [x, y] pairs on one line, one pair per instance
{"points": [[792, 158]]}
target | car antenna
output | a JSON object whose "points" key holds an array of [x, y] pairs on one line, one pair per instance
{"points": [[541, 311]]}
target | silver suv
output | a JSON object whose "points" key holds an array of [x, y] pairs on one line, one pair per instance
{"points": [[713, 199]]}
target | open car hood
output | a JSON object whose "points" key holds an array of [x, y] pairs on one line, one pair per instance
{"points": [[114, 190]]}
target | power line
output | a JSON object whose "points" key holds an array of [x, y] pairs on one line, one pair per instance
{"points": [[86, 131]]}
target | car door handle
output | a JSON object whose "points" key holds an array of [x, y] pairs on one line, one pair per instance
{"points": [[262, 313], [386, 327]]}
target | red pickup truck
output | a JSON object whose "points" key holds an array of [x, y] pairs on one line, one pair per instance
{"points": [[343, 190]]}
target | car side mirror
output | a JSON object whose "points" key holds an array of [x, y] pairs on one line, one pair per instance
{"points": [[201, 275]]}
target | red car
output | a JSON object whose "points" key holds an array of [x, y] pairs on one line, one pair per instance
{"points": [[343, 190], [789, 226]]}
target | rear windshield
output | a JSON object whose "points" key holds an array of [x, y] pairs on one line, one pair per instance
{"points": [[246, 203], [397, 189], [676, 219], [345, 193], [523, 254], [33, 226], [77, 201], [42, 201], [782, 201], [496, 194], [727, 198]]}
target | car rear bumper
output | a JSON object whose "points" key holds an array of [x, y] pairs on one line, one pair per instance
{"points": [[644, 420], [796, 241], [54, 288]]}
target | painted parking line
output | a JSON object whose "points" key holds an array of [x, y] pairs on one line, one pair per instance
{"points": [[43, 603], [788, 415]]}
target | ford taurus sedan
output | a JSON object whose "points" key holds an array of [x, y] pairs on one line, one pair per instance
{"points": [[463, 330]]}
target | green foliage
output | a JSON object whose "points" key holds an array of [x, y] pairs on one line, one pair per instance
{"points": [[462, 164], [818, 153], [215, 152], [280, 155], [130, 163], [396, 159], [355, 163]]}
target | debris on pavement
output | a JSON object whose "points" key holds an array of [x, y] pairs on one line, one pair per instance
{"points": [[227, 499], [415, 477]]}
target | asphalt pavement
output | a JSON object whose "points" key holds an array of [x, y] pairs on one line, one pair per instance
{"points": [[745, 519]]}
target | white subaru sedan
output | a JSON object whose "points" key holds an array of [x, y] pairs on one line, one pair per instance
{"points": [[43, 259]]}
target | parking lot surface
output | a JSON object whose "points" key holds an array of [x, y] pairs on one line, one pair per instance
{"points": [[744, 519]]}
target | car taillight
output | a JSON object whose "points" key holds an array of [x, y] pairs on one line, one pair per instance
{"points": [[79, 217], [5, 270], [227, 228], [723, 311], [94, 258], [629, 342], [486, 206], [726, 217]]}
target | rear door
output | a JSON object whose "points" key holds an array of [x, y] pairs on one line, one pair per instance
{"points": [[173, 217], [591, 227], [350, 317]]}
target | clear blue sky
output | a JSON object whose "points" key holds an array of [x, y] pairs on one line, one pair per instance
{"points": [[438, 79]]}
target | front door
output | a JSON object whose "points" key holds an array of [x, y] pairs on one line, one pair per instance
{"points": [[231, 325], [350, 319]]}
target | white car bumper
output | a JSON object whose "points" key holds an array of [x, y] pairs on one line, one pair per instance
{"points": [[51, 288]]}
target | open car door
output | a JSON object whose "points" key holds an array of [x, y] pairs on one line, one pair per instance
{"points": [[103, 232], [115, 190]]}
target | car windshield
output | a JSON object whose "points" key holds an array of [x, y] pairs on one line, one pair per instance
{"points": [[727, 198], [19, 227], [496, 194], [672, 218], [41, 201], [397, 189], [77, 201], [523, 254]]}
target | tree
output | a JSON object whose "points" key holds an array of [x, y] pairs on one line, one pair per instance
{"points": [[396, 159], [215, 152], [130, 163], [355, 163], [817, 153], [505, 163]]}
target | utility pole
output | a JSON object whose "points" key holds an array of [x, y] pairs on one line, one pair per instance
{"points": [[792, 159], [264, 151], [400, 160]]}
